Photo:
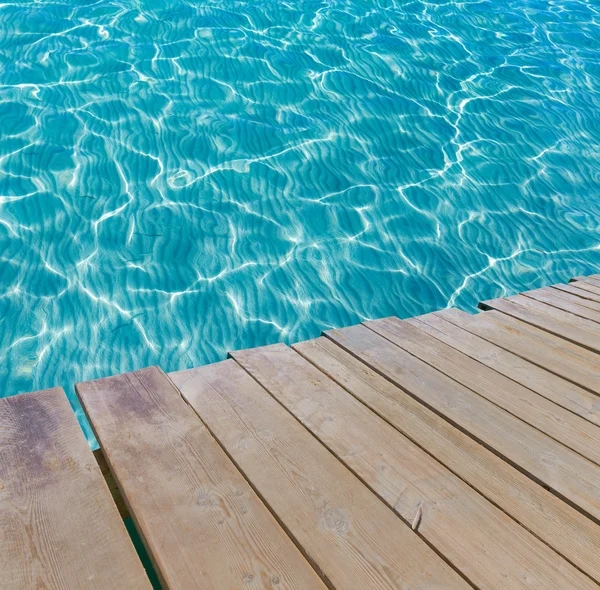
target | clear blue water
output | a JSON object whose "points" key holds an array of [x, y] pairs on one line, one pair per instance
{"points": [[181, 179]]}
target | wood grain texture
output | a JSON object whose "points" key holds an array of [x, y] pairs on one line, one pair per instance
{"points": [[539, 334], [540, 456], [355, 539], [572, 362], [568, 326], [591, 280], [561, 301], [563, 426], [548, 301], [553, 521], [202, 524], [487, 546], [583, 286], [562, 392], [59, 527], [579, 296]]}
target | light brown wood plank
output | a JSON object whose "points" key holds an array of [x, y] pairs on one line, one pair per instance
{"points": [[540, 456], [563, 426], [59, 527], [587, 287], [516, 326], [563, 302], [562, 392], [203, 525], [355, 539], [572, 362], [480, 540], [583, 297], [555, 522], [591, 280], [548, 301], [571, 328]]}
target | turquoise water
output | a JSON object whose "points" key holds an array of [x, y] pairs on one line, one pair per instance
{"points": [[181, 179]]}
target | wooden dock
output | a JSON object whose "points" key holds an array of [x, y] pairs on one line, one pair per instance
{"points": [[445, 451]]}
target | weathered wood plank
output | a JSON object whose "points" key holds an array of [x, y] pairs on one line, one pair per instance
{"points": [[562, 392], [59, 527], [516, 326], [201, 522], [591, 280], [571, 328], [563, 426], [583, 297], [586, 286], [572, 362], [561, 301], [540, 456], [548, 301], [555, 522], [355, 539], [487, 546]]}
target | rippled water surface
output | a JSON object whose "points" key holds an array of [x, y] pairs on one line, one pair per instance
{"points": [[180, 179]]}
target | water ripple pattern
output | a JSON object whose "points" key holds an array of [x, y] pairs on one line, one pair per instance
{"points": [[181, 179]]}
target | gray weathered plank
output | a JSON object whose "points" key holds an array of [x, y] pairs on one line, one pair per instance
{"points": [[583, 285], [591, 279], [480, 540], [560, 300], [203, 525], [562, 425], [552, 520], [572, 362], [546, 460], [354, 539], [567, 326], [580, 295], [550, 301], [59, 527], [568, 395]]}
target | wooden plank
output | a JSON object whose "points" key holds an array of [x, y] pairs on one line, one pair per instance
{"points": [[549, 302], [586, 287], [562, 470], [563, 426], [545, 350], [583, 297], [555, 522], [59, 527], [591, 280], [564, 302], [572, 329], [539, 335], [562, 392], [354, 539], [480, 540], [201, 522]]}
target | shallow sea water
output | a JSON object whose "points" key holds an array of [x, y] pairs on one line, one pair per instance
{"points": [[182, 179]]}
